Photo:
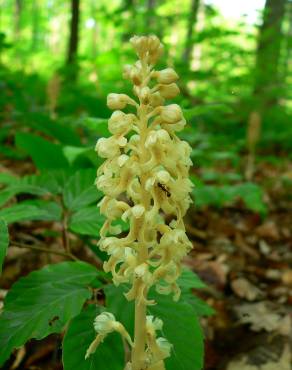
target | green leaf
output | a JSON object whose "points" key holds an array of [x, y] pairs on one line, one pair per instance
{"points": [[32, 210], [200, 307], [62, 132], [78, 337], [43, 302], [80, 190], [73, 152], [252, 195], [7, 179], [4, 241], [44, 184], [181, 326], [45, 154], [98, 125], [87, 221], [182, 329], [218, 196], [190, 280], [15, 189]]}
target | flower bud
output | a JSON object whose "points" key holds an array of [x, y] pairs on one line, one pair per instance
{"points": [[155, 55], [155, 136], [120, 122], [117, 101], [171, 113], [166, 76], [140, 44], [153, 43], [156, 100], [169, 91], [107, 147]]}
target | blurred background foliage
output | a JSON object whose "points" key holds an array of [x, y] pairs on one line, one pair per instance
{"points": [[59, 59]]}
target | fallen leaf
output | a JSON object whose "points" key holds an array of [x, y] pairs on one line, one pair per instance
{"points": [[262, 317], [245, 289], [268, 230]]}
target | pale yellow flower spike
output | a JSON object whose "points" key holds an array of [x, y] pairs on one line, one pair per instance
{"points": [[145, 177]]}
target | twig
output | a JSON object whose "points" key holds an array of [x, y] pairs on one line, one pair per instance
{"points": [[46, 250]]}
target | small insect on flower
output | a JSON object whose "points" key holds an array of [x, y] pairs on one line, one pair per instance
{"points": [[165, 189]]}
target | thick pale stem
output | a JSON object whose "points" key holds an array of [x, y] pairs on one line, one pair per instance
{"points": [[138, 353]]}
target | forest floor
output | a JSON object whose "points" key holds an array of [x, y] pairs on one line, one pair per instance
{"points": [[246, 262]]}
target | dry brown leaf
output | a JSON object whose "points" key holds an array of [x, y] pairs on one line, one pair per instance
{"points": [[287, 278], [261, 317], [245, 289], [268, 230]]}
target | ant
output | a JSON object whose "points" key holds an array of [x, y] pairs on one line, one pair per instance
{"points": [[164, 188]]}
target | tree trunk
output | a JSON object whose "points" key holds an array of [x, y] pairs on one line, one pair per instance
{"points": [[74, 28], [267, 83], [266, 88], [192, 20]]}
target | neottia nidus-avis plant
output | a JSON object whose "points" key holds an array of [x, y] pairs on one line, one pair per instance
{"points": [[145, 182]]}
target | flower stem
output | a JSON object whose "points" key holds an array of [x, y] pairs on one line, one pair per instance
{"points": [[138, 353]]}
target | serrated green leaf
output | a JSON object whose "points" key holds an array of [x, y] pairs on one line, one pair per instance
{"points": [[44, 184], [4, 241], [80, 190], [15, 189], [43, 302], [80, 333], [181, 326], [45, 154], [47, 182], [87, 221], [32, 210]]}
